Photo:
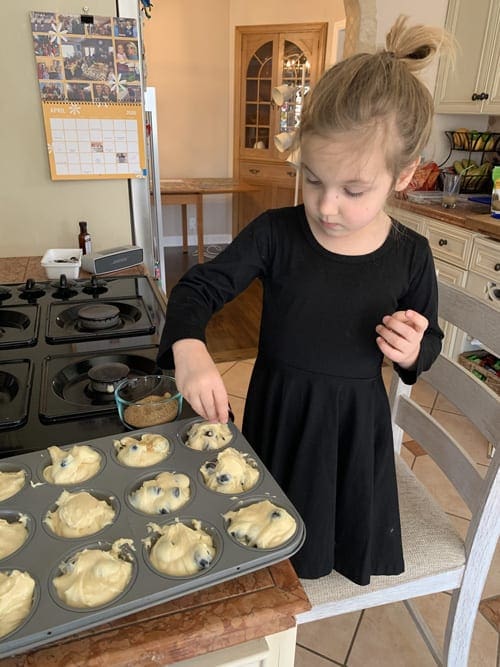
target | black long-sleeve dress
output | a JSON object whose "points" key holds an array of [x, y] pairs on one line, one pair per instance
{"points": [[317, 411]]}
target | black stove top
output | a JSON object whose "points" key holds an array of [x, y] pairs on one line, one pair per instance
{"points": [[52, 334]]}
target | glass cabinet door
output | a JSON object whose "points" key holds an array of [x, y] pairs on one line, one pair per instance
{"points": [[296, 74], [258, 83]]}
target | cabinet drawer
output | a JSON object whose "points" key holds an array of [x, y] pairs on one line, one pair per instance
{"points": [[407, 218], [486, 258], [449, 243], [251, 171], [450, 274]]}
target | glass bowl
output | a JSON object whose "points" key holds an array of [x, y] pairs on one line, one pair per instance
{"points": [[148, 400]]}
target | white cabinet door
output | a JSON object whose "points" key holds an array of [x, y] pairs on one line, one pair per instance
{"points": [[276, 650], [472, 85], [406, 218], [452, 275]]}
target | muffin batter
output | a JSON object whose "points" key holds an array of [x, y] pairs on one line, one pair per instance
{"points": [[11, 483], [12, 535], [233, 472], [181, 551], [165, 493], [71, 466], [79, 514], [16, 598], [262, 525], [208, 435], [150, 449], [93, 577]]}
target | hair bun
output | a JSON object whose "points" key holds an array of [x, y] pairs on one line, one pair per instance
{"points": [[416, 45]]}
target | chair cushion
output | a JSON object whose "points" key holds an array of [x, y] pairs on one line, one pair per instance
{"points": [[431, 545]]}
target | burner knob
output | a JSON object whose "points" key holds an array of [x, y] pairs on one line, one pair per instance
{"points": [[31, 290], [95, 286]]}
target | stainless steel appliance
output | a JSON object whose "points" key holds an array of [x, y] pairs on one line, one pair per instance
{"points": [[59, 341]]}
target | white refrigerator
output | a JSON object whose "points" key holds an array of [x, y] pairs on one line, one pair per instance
{"points": [[145, 198]]}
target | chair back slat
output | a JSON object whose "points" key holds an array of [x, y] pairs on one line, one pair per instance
{"points": [[468, 313], [470, 395], [442, 447]]}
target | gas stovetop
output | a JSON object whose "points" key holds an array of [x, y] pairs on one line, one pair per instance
{"points": [[60, 343]]}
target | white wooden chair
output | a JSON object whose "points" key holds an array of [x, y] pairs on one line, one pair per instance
{"points": [[436, 557]]}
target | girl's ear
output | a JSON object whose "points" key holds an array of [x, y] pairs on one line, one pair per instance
{"points": [[406, 175]]}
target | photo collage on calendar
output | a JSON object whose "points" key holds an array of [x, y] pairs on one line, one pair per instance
{"points": [[86, 59]]}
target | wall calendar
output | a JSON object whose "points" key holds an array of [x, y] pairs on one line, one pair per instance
{"points": [[89, 77]]}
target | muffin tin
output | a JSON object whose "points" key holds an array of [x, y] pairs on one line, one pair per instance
{"points": [[43, 553]]}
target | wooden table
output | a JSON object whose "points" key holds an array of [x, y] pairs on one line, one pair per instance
{"points": [[225, 615], [184, 191]]}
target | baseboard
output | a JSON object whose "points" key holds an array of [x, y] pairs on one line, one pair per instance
{"points": [[210, 239]]}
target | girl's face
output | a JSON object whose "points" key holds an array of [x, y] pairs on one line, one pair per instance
{"points": [[345, 185]]}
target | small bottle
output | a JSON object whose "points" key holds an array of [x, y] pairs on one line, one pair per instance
{"points": [[84, 239], [495, 195]]}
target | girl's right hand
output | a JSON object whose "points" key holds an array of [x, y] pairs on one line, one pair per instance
{"points": [[199, 381]]}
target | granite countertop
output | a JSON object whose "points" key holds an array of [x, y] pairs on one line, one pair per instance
{"points": [[468, 215], [249, 607], [19, 269]]}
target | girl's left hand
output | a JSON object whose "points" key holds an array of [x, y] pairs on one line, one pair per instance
{"points": [[399, 336]]}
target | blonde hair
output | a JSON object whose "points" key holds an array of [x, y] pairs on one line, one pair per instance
{"points": [[380, 91]]}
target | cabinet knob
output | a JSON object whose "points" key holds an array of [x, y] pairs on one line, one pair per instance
{"points": [[497, 267], [290, 173], [475, 97], [442, 242], [483, 96], [254, 171]]}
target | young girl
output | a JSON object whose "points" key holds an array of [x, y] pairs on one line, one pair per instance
{"points": [[343, 285]]}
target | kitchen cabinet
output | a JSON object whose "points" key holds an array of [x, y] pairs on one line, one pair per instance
{"points": [[462, 257], [449, 243], [483, 279], [472, 85], [291, 57], [276, 650], [451, 248]]}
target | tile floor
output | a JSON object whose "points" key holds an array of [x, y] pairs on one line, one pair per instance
{"points": [[386, 635]]}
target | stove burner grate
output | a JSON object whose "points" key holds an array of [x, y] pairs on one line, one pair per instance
{"points": [[15, 380], [10, 319], [18, 326], [107, 319], [9, 388], [95, 286], [68, 380]]}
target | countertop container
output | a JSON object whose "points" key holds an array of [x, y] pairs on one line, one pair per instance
{"points": [[67, 261], [43, 552]]}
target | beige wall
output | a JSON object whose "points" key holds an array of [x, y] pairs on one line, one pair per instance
{"points": [[36, 212], [187, 46], [190, 56]]}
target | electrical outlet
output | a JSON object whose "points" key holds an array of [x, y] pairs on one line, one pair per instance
{"points": [[192, 224]]}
